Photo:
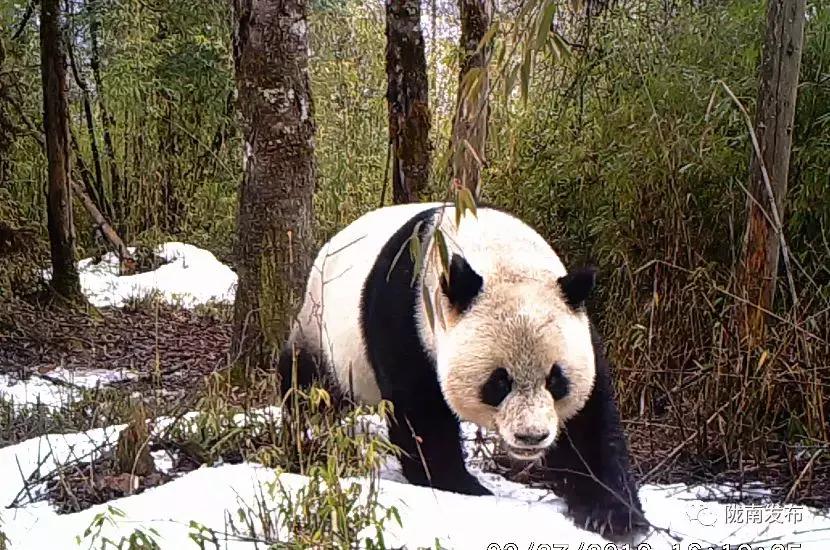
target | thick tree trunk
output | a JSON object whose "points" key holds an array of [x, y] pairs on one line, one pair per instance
{"points": [[470, 125], [768, 174], [408, 100], [65, 280], [273, 251]]}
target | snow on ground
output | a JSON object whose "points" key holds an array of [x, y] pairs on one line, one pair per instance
{"points": [[517, 514], [61, 386], [193, 276]]}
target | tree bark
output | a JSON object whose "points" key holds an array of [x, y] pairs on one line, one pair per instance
{"points": [[65, 280], [775, 116], [470, 124], [273, 249], [407, 99]]}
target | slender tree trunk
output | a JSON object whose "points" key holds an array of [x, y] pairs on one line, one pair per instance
{"points": [[65, 280], [273, 251], [408, 100], [119, 205], [97, 191], [470, 124], [768, 174]]}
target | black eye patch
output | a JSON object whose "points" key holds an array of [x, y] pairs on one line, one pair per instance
{"points": [[557, 383], [496, 388]]}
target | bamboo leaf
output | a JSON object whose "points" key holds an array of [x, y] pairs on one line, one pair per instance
{"points": [[415, 253], [413, 237], [471, 83], [528, 5], [443, 254], [473, 152], [428, 306], [524, 80], [488, 36], [465, 198], [562, 48], [439, 311], [545, 22]]}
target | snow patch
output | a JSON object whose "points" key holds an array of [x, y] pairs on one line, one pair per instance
{"points": [[63, 386], [191, 277]]}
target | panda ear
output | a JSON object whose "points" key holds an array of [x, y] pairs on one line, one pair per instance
{"points": [[463, 286], [577, 286]]}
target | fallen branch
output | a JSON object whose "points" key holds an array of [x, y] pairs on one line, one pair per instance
{"points": [[102, 224]]}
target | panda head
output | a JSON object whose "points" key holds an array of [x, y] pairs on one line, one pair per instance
{"points": [[515, 354]]}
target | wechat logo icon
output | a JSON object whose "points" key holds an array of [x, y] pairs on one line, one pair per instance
{"points": [[701, 513]]}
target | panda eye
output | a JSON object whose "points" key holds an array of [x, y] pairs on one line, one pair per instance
{"points": [[496, 388], [557, 383]]}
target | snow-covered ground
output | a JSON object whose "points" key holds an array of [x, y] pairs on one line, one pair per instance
{"points": [[56, 388], [527, 518], [516, 514], [192, 276]]}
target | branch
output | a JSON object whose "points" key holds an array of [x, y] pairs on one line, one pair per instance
{"points": [[26, 16]]}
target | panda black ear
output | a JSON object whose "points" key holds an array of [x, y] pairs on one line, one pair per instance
{"points": [[464, 284], [577, 286]]}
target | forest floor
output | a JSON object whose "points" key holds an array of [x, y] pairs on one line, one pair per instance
{"points": [[165, 354]]}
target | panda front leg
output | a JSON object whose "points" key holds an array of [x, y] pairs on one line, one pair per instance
{"points": [[432, 456], [589, 466]]}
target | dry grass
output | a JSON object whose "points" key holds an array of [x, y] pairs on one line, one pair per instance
{"points": [[702, 405]]}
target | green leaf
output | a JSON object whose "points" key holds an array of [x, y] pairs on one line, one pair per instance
{"points": [[545, 22], [412, 237], [524, 81], [443, 254], [471, 83], [465, 198], [563, 51], [428, 306], [488, 36], [415, 254]]}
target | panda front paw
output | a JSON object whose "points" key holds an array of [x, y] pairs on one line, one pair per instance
{"points": [[614, 521]]}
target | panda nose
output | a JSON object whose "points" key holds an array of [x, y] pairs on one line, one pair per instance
{"points": [[532, 438]]}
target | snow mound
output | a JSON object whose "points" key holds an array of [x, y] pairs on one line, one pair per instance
{"points": [[191, 277]]}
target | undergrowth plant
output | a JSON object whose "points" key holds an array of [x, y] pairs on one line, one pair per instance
{"points": [[94, 538], [307, 436]]}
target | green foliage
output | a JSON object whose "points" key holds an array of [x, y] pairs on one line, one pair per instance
{"points": [[348, 82], [137, 540]]}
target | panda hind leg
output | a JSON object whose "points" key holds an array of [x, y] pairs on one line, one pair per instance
{"points": [[431, 452], [300, 368]]}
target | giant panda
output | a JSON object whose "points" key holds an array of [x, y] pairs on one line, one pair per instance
{"points": [[504, 342]]}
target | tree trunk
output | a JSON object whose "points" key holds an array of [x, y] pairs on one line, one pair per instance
{"points": [[470, 124], [768, 174], [408, 100], [97, 191], [119, 206], [65, 280], [273, 249]]}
